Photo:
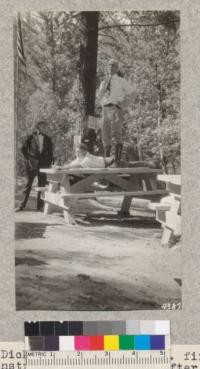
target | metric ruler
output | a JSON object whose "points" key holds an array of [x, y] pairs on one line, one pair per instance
{"points": [[98, 360]]}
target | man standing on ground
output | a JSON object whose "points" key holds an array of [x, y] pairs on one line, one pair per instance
{"points": [[38, 153], [112, 93]]}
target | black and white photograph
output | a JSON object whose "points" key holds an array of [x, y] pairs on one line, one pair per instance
{"points": [[97, 160]]}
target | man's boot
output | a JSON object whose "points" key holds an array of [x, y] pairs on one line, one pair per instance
{"points": [[109, 161], [107, 151], [118, 154]]}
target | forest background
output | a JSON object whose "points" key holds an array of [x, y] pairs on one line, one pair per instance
{"points": [[48, 82]]}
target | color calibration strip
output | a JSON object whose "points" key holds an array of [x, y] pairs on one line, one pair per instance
{"points": [[97, 343], [97, 328]]}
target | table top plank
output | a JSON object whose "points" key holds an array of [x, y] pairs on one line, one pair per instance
{"points": [[78, 171], [170, 178], [113, 194]]}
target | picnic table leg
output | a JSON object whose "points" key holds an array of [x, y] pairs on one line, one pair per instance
{"points": [[135, 185], [125, 206], [69, 216], [67, 212], [149, 181], [53, 187], [166, 236]]}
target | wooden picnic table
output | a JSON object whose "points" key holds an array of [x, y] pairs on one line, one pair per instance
{"points": [[67, 186]]}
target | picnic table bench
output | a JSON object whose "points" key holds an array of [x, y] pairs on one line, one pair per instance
{"points": [[168, 211], [67, 186]]}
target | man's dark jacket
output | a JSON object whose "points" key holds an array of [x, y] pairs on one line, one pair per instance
{"points": [[31, 152]]}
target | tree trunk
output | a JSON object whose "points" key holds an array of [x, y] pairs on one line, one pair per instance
{"points": [[87, 73]]}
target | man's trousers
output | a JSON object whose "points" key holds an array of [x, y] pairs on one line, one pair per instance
{"points": [[111, 126], [30, 176]]}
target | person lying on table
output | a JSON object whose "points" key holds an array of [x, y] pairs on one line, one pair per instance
{"points": [[86, 160]]}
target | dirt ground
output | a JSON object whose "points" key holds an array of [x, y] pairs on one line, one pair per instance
{"points": [[103, 263]]}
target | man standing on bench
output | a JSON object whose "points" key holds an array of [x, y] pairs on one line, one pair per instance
{"points": [[112, 93], [37, 151]]}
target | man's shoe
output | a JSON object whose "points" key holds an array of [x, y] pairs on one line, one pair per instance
{"points": [[107, 151], [109, 161], [19, 208]]}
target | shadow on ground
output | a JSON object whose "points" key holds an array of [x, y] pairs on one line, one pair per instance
{"points": [[104, 219], [25, 230], [95, 294], [28, 261]]}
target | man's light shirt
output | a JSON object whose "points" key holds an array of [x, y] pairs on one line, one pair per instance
{"points": [[119, 89]]}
